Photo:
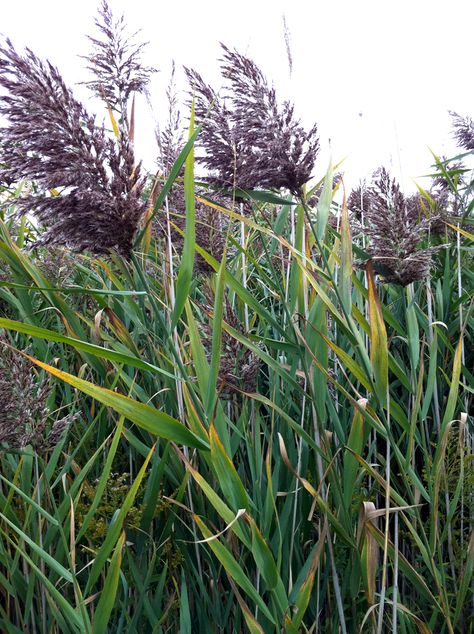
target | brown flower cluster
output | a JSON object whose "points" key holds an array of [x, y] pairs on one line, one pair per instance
{"points": [[358, 201], [396, 227], [250, 141], [89, 188], [23, 411], [463, 128], [115, 62]]}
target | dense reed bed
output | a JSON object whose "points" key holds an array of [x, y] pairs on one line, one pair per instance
{"points": [[227, 402]]}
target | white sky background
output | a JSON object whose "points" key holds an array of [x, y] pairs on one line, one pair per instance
{"points": [[378, 77]]}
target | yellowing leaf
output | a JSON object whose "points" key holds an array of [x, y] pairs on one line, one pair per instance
{"points": [[378, 339], [146, 417]]}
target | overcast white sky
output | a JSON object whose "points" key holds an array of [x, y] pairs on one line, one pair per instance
{"points": [[378, 77]]}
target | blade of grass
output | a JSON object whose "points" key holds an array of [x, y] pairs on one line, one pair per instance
{"points": [[108, 595], [185, 273], [148, 418]]}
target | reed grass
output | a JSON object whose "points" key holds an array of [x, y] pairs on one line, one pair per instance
{"points": [[280, 441]]}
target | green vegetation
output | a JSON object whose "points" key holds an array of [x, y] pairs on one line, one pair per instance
{"points": [[276, 439]]}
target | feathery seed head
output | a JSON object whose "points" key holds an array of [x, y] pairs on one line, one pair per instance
{"points": [[115, 61], [250, 141], [23, 410], [463, 128], [395, 226], [89, 188]]}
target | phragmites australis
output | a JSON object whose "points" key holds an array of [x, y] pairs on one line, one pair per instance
{"points": [[89, 188], [250, 141], [463, 128], [358, 201], [395, 227], [23, 410], [115, 62], [171, 138]]}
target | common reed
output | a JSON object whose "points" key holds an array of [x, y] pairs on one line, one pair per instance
{"points": [[249, 140], [88, 187], [270, 438]]}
